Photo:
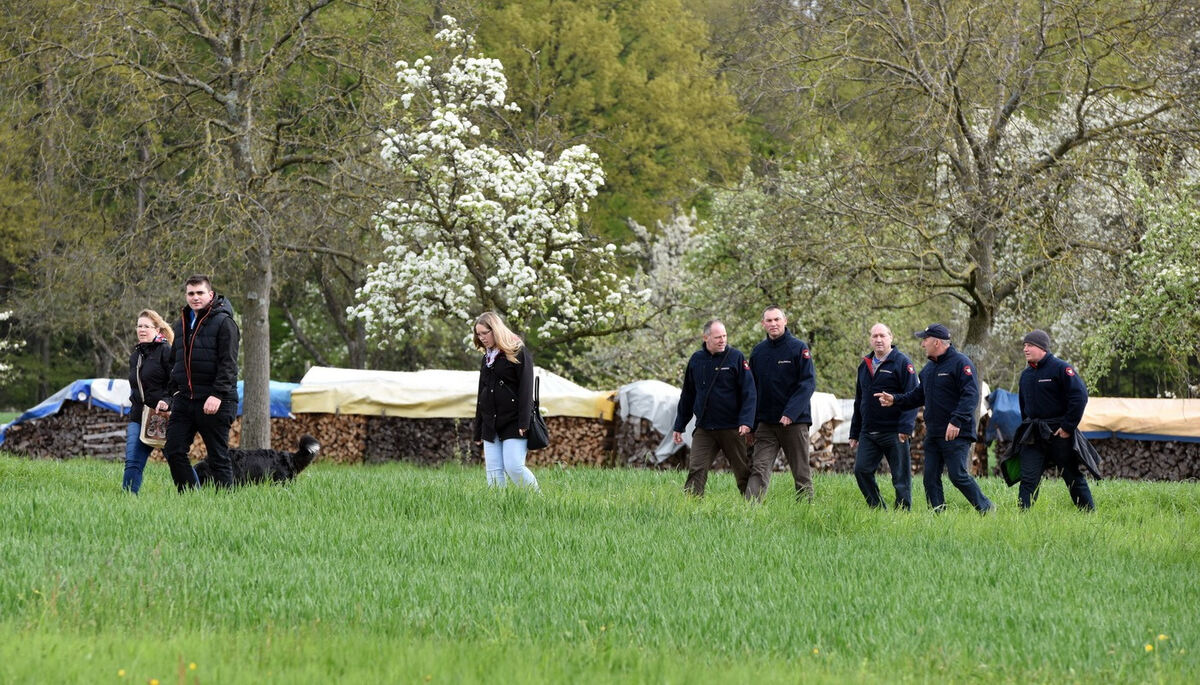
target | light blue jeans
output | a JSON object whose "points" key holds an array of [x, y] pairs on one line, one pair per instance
{"points": [[505, 461], [136, 454]]}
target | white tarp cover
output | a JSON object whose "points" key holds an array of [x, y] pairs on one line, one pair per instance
{"points": [[1142, 418], [432, 393], [658, 403]]}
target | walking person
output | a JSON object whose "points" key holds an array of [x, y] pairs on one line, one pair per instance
{"points": [[950, 393], [878, 432], [203, 384], [1052, 398], [502, 410], [785, 379], [149, 373], [719, 391]]}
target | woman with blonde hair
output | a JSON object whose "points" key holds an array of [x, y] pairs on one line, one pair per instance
{"points": [[149, 370], [502, 411]]}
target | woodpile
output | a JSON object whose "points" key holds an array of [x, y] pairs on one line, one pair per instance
{"points": [[79, 429], [419, 441], [1140, 459]]}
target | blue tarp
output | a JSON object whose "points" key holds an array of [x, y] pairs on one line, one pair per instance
{"points": [[1006, 415], [113, 394]]}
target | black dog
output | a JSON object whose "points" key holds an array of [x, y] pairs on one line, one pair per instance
{"points": [[261, 466]]}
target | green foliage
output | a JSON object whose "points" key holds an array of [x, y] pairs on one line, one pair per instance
{"points": [[395, 573], [1158, 306], [632, 81]]}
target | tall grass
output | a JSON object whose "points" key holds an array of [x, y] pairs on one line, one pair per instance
{"points": [[397, 573]]}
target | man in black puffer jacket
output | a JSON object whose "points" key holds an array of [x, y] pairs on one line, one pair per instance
{"points": [[203, 384]]}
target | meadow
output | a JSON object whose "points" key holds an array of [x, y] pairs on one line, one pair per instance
{"points": [[403, 574]]}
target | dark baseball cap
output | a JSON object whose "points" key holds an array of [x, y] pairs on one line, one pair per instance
{"points": [[935, 330]]}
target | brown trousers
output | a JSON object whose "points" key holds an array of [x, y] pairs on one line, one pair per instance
{"points": [[705, 446], [769, 438]]}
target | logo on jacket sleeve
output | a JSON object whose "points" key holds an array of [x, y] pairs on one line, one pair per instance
{"points": [[806, 354], [967, 370], [745, 365], [910, 368], [1070, 371]]}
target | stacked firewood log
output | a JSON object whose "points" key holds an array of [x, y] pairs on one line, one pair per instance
{"points": [[1140, 459], [76, 430], [81, 430]]}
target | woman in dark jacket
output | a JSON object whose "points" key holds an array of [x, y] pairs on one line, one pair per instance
{"points": [[502, 411], [150, 363]]}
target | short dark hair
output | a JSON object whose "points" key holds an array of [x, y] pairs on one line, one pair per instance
{"points": [[197, 279], [776, 308]]}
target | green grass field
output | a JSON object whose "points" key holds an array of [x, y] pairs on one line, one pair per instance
{"points": [[402, 574]]}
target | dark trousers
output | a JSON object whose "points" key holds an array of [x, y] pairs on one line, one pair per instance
{"points": [[953, 455], [705, 446], [769, 438], [872, 449], [187, 419], [1033, 464]]}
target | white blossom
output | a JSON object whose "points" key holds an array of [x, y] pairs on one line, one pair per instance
{"points": [[479, 225]]}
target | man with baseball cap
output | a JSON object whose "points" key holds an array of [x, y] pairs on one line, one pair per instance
{"points": [[950, 393], [1052, 398]]}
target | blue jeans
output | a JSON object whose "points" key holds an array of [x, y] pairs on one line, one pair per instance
{"points": [[504, 460], [873, 448], [136, 454], [952, 454]]}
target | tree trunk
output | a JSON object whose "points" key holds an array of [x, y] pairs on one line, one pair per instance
{"points": [[256, 349]]}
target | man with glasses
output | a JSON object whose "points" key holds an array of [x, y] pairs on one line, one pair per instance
{"points": [[203, 385]]}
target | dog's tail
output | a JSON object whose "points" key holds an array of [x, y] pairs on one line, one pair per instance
{"points": [[306, 451]]}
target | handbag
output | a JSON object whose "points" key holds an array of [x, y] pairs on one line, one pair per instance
{"points": [[538, 436], [154, 427]]}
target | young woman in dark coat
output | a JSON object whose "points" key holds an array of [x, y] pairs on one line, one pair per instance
{"points": [[502, 411], [151, 362]]}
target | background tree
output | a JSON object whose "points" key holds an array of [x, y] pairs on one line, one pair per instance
{"points": [[479, 226], [632, 81], [959, 95], [250, 124], [1158, 306]]}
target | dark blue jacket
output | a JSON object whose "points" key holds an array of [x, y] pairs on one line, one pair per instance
{"points": [[894, 376], [785, 378], [205, 353], [731, 400], [950, 393], [1050, 389]]}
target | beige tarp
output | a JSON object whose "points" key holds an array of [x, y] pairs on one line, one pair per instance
{"points": [[1167, 418], [431, 393]]}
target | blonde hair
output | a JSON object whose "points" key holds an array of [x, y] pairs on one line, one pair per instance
{"points": [[159, 325], [506, 341]]}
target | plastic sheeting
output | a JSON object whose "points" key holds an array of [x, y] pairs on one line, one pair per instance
{"points": [[658, 403], [432, 393], [113, 394], [1112, 417]]}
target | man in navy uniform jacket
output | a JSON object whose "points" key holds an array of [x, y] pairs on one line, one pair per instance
{"points": [[784, 376], [1052, 398], [950, 393], [719, 391], [876, 431]]}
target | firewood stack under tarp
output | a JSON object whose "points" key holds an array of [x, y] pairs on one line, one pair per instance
{"points": [[1137, 459], [79, 429], [76, 430]]}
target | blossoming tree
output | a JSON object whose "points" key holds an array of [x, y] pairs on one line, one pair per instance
{"points": [[479, 226]]}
